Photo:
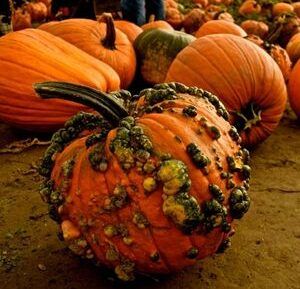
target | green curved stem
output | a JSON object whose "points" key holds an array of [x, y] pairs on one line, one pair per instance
{"points": [[108, 105]]}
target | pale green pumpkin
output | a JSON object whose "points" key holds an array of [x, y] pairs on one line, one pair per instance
{"points": [[156, 49]]}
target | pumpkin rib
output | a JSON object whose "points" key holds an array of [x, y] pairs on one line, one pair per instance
{"points": [[88, 35], [218, 69]]}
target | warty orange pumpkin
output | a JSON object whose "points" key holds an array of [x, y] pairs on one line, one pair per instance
{"points": [[101, 40], [242, 75], [32, 55], [127, 189]]}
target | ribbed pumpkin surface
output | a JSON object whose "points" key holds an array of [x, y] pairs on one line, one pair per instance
{"points": [[294, 89], [220, 27], [88, 35], [30, 56], [239, 73]]}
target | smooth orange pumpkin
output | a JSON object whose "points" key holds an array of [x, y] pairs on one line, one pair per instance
{"points": [[220, 27], [100, 40], [294, 89], [293, 48], [278, 53], [32, 55], [258, 28], [244, 76], [281, 8], [250, 7], [127, 192], [156, 24], [131, 30]]}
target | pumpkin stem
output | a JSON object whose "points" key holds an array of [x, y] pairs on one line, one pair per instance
{"points": [[274, 34], [109, 41], [151, 18], [109, 105], [248, 117]]}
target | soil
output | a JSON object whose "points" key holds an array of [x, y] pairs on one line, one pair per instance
{"points": [[265, 251]]}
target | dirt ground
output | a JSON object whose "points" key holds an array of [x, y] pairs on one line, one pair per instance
{"points": [[265, 251]]}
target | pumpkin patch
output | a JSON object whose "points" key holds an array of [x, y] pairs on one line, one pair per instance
{"points": [[147, 182]]}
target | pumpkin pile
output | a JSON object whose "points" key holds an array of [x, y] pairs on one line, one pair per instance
{"points": [[129, 177], [148, 184], [31, 13]]}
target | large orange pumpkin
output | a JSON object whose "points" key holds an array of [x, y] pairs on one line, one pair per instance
{"points": [[244, 77], [131, 30], [152, 193], [32, 55], [100, 40], [294, 89], [220, 27]]}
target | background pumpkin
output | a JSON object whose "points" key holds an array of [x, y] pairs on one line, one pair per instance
{"points": [[32, 55], [130, 29], [293, 48], [245, 77], [193, 20], [100, 40], [156, 24], [151, 195], [258, 28], [38, 11], [21, 19], [156, 49], [281, 8], [294, 89], [220, 27]]}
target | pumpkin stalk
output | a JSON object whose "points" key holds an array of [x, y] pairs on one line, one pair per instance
{"points": [[109, 41], [108, 105]]}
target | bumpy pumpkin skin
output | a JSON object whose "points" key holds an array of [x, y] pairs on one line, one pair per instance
{"points": [[241, 74], [156, 49], [220, 27], [32, 55], [293, 88], [121, 205], [89, 36]]}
